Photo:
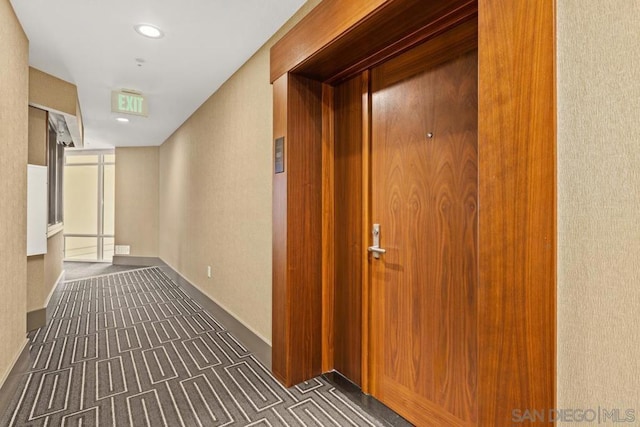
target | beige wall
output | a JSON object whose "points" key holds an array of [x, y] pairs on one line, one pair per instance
{"points": [[136, 205], [215, 193], [35, 282], [53, 264], [598, 204], [37, 137], [53, 93], [14, 98], [43, 272]]}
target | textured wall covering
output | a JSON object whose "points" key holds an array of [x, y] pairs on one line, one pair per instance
{"points": [[14, 98], [43, 272], [598, 204], [136, 210], [35, 282], [215, 193], [37, 152], [52, 264], [52, 92]]}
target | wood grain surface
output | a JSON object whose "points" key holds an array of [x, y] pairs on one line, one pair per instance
{"points": [[325, 23], [304, 228], [348, 230], [366, 229], [425, 197], [322, 44], [517, 259], [328, 229], [279, 338], [516, 243], [297, 276]]}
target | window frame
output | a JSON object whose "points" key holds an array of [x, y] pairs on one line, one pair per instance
{"points": [[55, 165]]}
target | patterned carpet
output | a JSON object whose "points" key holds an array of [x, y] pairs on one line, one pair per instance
{"points": [[80, 270], [133, 349]]}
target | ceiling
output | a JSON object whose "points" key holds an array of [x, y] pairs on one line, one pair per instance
{"points": [[92, 44]]}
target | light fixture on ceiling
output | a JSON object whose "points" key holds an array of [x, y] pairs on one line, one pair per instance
{"points": [[122, 120], [149, 30]]}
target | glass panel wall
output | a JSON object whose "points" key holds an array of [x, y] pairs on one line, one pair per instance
{"points": [[89, 201], [86, 159], [81, 199], [109, 199], [80, 248], [108, 247]]}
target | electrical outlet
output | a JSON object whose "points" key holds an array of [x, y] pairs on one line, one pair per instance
{"points": [[209, 271]]}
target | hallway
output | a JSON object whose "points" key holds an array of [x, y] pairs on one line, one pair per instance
{"points": [[132, 348], [283, 216]]}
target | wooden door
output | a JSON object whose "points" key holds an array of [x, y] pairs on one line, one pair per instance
{"points": [[424, 195]]}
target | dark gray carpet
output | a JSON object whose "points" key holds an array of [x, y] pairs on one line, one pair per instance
{"points": [[80, 270], [132, 349]]}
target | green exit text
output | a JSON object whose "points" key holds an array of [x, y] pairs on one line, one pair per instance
{"points": [[130, 103]]}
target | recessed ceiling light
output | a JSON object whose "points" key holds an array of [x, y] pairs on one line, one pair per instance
{"points": [[148, 30], [122, 120]]}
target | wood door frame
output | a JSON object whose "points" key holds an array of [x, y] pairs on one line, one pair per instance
{"points": [[366, 232], [517, 185]]}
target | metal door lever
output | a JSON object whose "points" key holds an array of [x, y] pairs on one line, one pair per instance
{"points": [[376, 249]]}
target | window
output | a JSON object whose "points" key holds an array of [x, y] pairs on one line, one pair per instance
{"points": [[55, 165], [89, 198]]}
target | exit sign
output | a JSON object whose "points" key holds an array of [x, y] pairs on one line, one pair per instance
{"points": [[127, 102]]}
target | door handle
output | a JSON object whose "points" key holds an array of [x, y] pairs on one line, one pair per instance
{"points": [[376, 249]]}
